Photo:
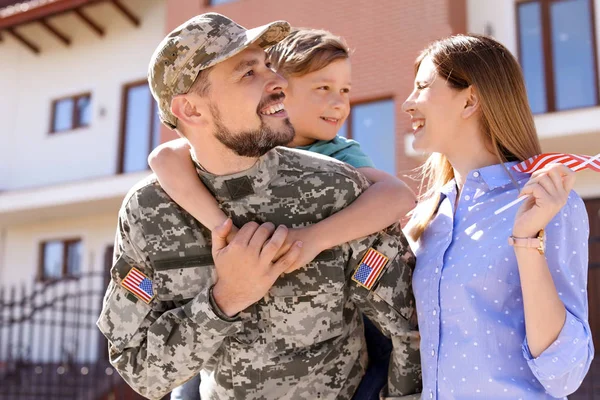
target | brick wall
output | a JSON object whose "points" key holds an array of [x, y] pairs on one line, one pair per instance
{"points": [[387, 35]]}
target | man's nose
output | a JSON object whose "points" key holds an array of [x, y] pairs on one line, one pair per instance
{"points": [[277, 83]]}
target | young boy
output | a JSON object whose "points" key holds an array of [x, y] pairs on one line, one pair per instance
{"points": [[316, 64]]}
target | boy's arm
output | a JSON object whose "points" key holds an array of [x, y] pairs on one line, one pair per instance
{"points": [[177, 175], [389, 192], [384, 203]]}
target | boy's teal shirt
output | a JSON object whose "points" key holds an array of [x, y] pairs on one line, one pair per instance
{"points": [[342, 149]]}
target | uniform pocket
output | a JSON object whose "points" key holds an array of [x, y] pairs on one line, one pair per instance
{"points": [[307, 307], [301, 321]]}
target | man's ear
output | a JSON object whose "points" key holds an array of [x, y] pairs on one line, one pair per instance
{"points": [[471, 105], [188, 109]]}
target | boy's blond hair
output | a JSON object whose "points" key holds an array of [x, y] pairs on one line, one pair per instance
{"points": [[307, 50]]}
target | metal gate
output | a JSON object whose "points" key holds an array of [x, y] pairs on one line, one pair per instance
{"points": [[50, 347]]}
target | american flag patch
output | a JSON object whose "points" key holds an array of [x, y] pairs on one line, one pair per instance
{"points": [[370, 268], [572, 161], [138, 284]]}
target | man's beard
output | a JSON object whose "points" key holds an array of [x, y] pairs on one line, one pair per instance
{"points": [[253, 143]]}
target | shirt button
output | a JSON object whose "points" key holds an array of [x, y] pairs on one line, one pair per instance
{"points": [[467, 197], [437, 270], [476, 174], [431, 395], [434, 312], [432, 353]]}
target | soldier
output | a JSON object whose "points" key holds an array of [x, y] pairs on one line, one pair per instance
{"points": [[175, 308]]}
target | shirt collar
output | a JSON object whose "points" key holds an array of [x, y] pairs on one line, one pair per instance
{"points": [[498, 175], [494, 176], [240, 184]]}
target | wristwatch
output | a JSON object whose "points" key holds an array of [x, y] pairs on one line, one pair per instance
{"points": [[538, 242]]}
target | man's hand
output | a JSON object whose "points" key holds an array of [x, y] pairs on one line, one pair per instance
{"points": [[245, 267], [234, 230], [311, 247]]}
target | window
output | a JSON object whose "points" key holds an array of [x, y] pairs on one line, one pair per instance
{"points": [[217, 2], [71, 113], [60, 258], [140, 127], [557, 54], [373, 125]]}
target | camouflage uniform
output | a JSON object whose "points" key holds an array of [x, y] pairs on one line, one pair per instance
{"points": [[304, 340]]}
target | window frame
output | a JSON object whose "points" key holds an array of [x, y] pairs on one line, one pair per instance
{"points": [[360, 103], [549, 80], [370, 100], [65, 273], [123, 123], [74, 115]]}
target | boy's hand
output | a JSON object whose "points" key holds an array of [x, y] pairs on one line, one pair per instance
{"points": [[310, 247]]}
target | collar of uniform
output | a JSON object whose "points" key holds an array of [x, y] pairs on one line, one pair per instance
{"points": [[497, 175], [240, 184]]}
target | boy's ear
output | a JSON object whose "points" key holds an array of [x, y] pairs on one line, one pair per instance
{"points": [[471, 102], [188, 109]]}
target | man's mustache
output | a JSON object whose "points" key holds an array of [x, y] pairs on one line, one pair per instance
{"points": [[271, 99]]}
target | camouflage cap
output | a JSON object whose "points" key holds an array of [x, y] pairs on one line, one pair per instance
{"points": [[197, 44]]}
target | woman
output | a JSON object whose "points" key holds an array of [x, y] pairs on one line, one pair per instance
{"points": [[497, 320]]}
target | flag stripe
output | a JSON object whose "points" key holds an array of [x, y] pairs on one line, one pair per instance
{"points": [[375, 272], [137, 291], [377, 267], [369, 258], [372, 276], [570, 160]]}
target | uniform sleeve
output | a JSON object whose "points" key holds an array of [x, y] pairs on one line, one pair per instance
{"points": [[563, 365], [350, 152], [155, 346], [390, 304]]}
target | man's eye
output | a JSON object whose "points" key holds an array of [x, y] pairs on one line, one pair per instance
{"points": [[249, 73], [346, 90], [323, 88], [420, 86], [268, 65]]}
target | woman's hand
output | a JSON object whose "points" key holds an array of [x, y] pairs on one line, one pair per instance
{"points": [[548, 191]]}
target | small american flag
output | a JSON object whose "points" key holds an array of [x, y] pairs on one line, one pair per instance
{"points": [[138, 284], [570, 160], [370, 268]]}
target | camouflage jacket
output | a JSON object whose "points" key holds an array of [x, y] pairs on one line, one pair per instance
{"points": [[303, 340]]}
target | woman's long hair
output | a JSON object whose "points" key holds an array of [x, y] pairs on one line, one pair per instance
{"points": [[505, 116]]}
